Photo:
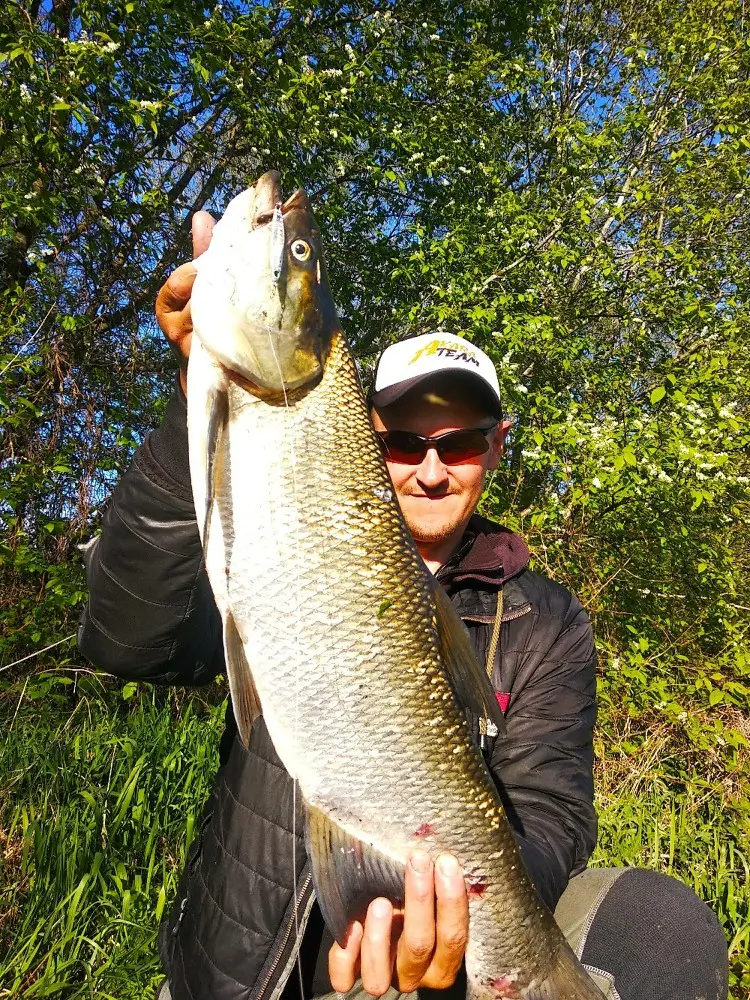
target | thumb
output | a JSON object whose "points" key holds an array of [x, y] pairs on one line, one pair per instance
{"points": [[202, 227]]}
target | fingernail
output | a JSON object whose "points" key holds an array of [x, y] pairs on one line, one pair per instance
{"points": [[380, 908], [448, 865], [354, 932], [420, 861]]}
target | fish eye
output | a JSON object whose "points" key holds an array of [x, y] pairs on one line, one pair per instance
{"points": [[301, 250]]}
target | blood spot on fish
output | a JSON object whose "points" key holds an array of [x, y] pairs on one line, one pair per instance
{"points": [[425, 830], [476, 885], [505, 987]]}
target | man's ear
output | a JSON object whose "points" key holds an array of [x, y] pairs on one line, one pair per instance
{"points": [[497, 444]]}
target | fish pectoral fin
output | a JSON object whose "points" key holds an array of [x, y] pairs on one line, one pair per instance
{"points": [[218, 415], [245, 698], [470, 680], [348, 874]]}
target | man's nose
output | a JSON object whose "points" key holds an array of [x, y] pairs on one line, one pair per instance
{"points": [[431, 471]]}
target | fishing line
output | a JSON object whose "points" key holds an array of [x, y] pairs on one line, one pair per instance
{"points": [[23, 347], [38, 652], [277, 248]]}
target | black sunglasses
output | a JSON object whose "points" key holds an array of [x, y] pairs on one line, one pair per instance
{"points": [[453, 447]]}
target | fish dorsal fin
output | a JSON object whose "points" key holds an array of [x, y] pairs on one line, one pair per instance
{"points": [[348, 874], [245, 699], [470, 680]]}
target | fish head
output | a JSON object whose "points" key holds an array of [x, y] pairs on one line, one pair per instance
{"points": [[261, 304]]}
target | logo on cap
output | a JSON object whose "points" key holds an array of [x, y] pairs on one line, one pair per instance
{"points": [[446, 349]]}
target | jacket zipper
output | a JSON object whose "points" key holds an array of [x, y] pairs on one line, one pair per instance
{"points": [[297, 903], [488, 619]]}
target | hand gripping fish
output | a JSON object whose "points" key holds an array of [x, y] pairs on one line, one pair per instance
{"points": [[362, 677]]}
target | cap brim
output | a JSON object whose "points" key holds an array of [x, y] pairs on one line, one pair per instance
{"points": [[486, 396]]}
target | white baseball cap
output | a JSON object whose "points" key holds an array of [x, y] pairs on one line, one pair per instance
{"points": [[404, 365]]}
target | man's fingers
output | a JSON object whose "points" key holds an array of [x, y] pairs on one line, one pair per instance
{"points": [[202, 227], [175, 293], [452, 923], [417, 942], [377, 948], [343, 963]]}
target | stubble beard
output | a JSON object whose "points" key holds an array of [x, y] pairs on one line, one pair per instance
{"points": [[425, 531]]}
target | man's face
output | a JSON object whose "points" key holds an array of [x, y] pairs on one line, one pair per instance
{"points": [[437, 499]]}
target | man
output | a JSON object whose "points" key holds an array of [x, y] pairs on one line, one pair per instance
{"points": [[241, 914]]}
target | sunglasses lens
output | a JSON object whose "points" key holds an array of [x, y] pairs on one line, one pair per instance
{"points": [[453, 448], [461, 446], [401, 446]]}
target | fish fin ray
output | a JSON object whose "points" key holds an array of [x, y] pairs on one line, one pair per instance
{"points": [[245, 699], [348, 874], [470, 680], [218, 416]]}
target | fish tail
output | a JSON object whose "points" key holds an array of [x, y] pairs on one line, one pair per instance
{"points": [[566, 980]]}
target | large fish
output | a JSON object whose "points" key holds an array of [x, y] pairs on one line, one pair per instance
{"points": [[333, 628]]}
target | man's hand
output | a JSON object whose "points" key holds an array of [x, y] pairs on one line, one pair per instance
{"points": [[173, 300], [423, 945]]}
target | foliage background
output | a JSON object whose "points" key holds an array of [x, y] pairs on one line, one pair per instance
{"points": [[563, 182]]}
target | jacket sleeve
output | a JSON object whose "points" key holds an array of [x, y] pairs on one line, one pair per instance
{"points": [[150, 613], [544, 764]]}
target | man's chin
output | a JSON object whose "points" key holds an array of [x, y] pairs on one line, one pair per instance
{"points": [[434, 519], [427, 531]]}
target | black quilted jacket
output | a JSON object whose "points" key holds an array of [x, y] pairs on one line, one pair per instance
{"points": [[233, 931]]}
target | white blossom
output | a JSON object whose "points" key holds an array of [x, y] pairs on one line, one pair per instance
{"points": [[25, 92]]}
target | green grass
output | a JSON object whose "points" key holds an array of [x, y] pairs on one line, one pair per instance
{"points": [[100, 794], [99, 799]]}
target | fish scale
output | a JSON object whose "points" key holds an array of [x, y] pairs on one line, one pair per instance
{"points": [[344, 638]]}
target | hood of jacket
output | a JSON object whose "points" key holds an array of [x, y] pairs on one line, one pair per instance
{"points": [[489, 553]]}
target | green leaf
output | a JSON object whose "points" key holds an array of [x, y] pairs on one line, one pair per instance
{"points": [[658, 393]]}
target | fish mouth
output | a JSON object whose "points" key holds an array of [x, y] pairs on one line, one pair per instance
{"points": [[268, 198], [283, 396]]}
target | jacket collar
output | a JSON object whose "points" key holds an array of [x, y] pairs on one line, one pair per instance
{"points": [[488, 554]]}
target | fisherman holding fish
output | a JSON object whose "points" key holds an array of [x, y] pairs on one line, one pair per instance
{"points": [[436, 782]]}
